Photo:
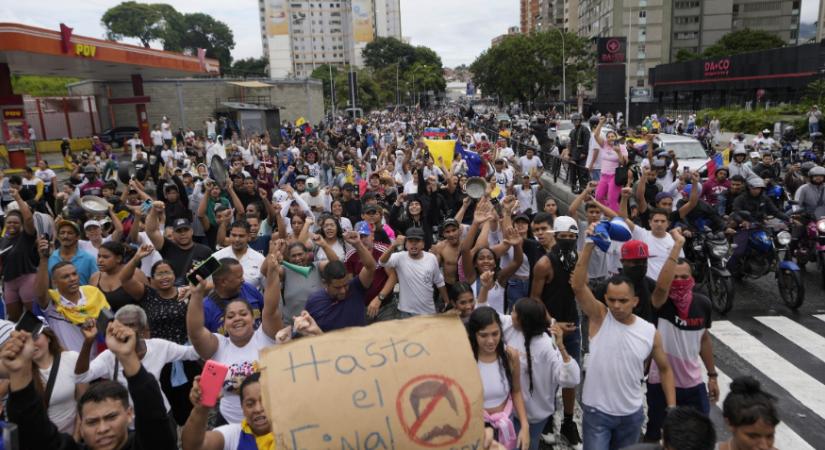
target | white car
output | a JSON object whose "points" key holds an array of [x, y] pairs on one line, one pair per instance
{"points": [[689, 152], [562, 130]]}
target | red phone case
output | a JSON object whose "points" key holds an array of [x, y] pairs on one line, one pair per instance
{"points": [[211, 384]]}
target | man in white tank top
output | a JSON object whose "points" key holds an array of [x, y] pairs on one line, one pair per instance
{"points": [[620, 342]]}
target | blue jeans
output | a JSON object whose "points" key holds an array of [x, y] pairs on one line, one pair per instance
{"points": [[601, 431], [696, 397], [813, 127], [516, 289], [535, 431], [596, 174], [573, 343]]}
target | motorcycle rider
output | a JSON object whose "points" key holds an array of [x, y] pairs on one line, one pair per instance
{"points": [[810, 197], [737, 187], [739, 166], [576, 153], [750, 207], [768, 168]]}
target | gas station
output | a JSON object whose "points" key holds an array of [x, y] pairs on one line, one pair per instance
{"points": [[27, 50]]}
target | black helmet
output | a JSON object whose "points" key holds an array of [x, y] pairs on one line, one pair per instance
{"points": [[576, 117]]}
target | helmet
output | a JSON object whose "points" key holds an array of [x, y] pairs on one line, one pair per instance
{"points": [[776, 192], [756, 183], [565, 223], [576, 116], [740, 151], [817, 171], [807, 166]]}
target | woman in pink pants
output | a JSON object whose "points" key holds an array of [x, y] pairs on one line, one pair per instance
{"points": [[611, 155]]}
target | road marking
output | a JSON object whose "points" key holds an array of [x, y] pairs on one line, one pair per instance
{"points": [[799, 384], [796, 333], [820, 317], [785, 437]]}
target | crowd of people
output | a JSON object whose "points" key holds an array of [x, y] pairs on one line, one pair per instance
{"points": [[348, 223]]}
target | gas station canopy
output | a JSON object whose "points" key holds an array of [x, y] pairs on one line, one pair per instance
{"points": [[31, 50]]}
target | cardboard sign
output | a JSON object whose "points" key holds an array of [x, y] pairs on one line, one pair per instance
{"points": [[393, 385]]}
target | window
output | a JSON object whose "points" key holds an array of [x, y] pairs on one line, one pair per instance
{"points": [[686, 35], [687, 4], [642, 14], [763, 6], [687, 20], [640, 82]]}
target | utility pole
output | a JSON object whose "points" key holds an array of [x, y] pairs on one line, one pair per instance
{"points": [[331, 90], [627, 67]]}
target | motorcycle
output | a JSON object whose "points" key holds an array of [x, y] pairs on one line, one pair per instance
{"points": [[766, 252], [810, 247], [709, 253]]}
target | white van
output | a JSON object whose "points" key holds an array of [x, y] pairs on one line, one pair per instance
{"points": [[689, 152]]}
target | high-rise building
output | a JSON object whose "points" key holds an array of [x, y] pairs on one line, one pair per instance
{"points": [[657, 30], [510, 31], [301, 35], [820, 23], [529, 13]]}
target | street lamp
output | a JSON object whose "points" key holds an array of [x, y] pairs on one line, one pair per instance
{"points": [[563, 72]]}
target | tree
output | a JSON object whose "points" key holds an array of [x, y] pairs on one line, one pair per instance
{"points": [[528, 67], [385, 51], [686, 55], [203, 31], [742, 41], [132, 19], [250, 67], [40, 85]]}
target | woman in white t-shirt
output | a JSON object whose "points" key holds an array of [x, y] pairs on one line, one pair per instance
{"points": [[62, 403], [239, 350]]}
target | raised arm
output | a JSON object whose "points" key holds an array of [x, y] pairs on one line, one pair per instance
{"points": [[130, 284], [597, 133], [26, 212], [117, 233], [693, 200], [272, 320], [206, 344], [41, 278], [594, 309], [514, 240], [367, 272], [579, 200], [641, 186], [152, 225]]}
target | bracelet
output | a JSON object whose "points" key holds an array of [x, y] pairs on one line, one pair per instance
{"points": [[673, 259], [713, 375]]}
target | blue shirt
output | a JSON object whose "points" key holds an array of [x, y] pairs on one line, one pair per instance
{"points": [[213, 307], [331, 314], [85, 264]]}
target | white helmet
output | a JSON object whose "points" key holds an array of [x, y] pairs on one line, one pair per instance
{"points": [[280, 196], [817, 171], [565, 224]]}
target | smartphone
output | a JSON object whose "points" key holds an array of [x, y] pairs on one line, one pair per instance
{"points": [[211, 384], [10, 439], [205, 270], [103, 318], [30, 323]]}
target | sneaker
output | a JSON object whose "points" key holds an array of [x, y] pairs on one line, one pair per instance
{"points": [[570, 432], [548, 435]]}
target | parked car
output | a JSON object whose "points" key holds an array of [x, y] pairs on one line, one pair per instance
{"points": [[689, 151], [562, 130], [118, 136]]}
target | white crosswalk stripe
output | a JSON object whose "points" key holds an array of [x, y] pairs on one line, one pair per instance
{"points": [[804, 387], [786, 438], [796, 333]]}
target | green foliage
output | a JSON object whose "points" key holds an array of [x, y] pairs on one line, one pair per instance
{"points": [[529, 67], [373, 87], [249, 67], [742, 41], [739, 119], [815, 92], [686, 55], [385, 51], [132, 19], [178, 32], [41, 86]]}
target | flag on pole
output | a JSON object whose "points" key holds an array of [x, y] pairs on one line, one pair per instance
{"points": [[714, 163], [444, 149]]}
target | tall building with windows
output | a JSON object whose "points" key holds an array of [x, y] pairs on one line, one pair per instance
{"points": [[529, 14], [820, 23], [301, 35], [657, 30]]}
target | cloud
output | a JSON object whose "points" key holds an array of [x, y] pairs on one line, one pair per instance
{"points": [[810, 11]]}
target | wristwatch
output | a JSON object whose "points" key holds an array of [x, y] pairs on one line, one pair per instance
{"points": [[382, 297]]}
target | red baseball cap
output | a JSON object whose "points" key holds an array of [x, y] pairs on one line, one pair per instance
{"points": [[635, 249]]}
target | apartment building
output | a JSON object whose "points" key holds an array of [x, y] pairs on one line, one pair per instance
{"points": [[301, 35], [528, 14]]}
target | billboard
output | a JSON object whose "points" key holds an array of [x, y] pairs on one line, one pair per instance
{"points": [[612, 50], [277, 19], [363, 29]]}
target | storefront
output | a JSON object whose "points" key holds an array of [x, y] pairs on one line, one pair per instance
{"points": [[756, 78]]}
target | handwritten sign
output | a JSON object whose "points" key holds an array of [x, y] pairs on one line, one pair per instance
{"points": [[393, 385]]}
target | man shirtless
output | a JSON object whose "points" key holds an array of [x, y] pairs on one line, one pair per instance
{"points": [[447, 250]]}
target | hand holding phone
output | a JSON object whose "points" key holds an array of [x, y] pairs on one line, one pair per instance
{"points": [[30, 323], [211, 382], [203, 270]]}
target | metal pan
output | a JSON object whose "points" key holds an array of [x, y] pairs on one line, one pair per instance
{"points": [[475, 187], [125, 171], [218, 170], [94, 205]]}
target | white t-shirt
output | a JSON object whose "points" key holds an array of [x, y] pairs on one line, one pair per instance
{"points": [[504, 178], [591, 154], [231, 435], [506, 153], [62, 405], [527, 165], [149, 261], [89, 247], [242, 362], [527, 198], [251, 261], [495, 296], [416, 278], [210, 127], [166, 129], [69, 334], [659, 250], [46, 175], [337, 247], [133, 143], [159, 352], [157, 137]]}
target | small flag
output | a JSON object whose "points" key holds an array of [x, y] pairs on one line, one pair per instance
{"points": [[714, 163]]}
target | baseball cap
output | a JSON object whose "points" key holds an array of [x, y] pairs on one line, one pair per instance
{"points": [[301, 178], [415, 233], [60, 224], [565, 224], [349, 187], [90, 169], [91, 223], [363, 228], [659, 163], [449, 222], [521, 216], [663, 195], [181, 223], [635, 249], [368, 208]]}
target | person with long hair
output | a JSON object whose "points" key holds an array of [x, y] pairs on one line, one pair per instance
{"points": [[750, 415], [612, 155], [51, 361], [19, 258], [462, 300], [329, 228], [502, 390], [111, 257]]}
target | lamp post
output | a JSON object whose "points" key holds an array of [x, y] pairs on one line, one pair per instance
{"points": [[563, 73]]}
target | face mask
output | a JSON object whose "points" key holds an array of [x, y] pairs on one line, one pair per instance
{"points": [[681, 293], [566, 245], [635, 273]]}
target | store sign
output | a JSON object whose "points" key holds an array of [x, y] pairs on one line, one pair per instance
{"points": [[641, 95], [85, 50], [719, 68], [13, 113], [612, 50]]}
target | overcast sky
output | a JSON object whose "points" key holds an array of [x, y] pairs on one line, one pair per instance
{"points": [[458, 30]]}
